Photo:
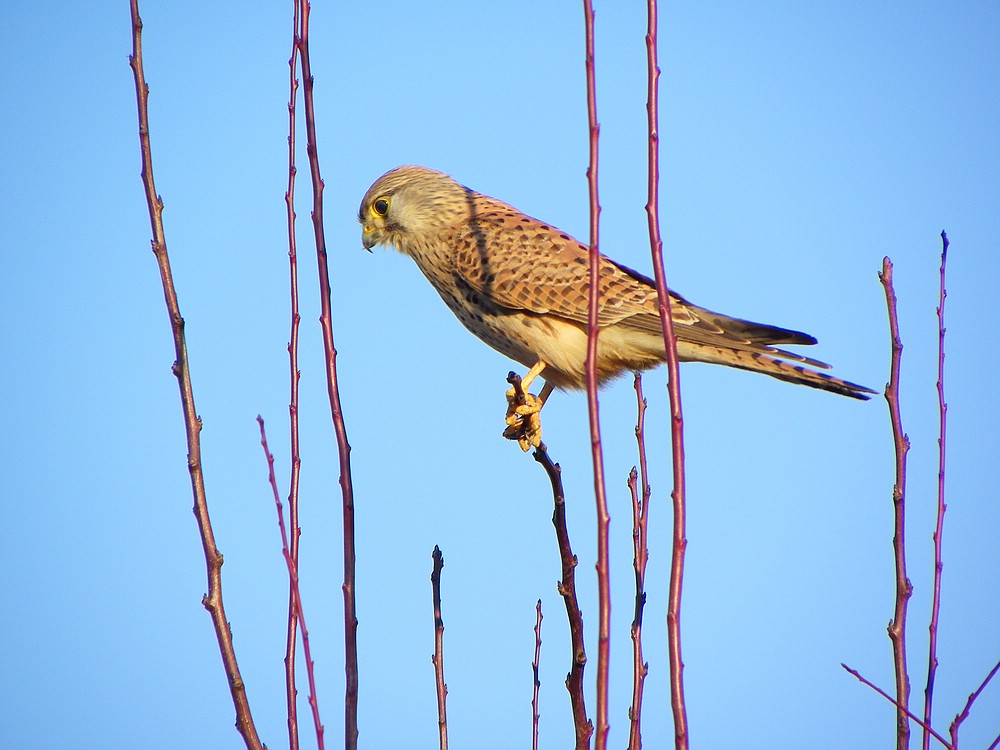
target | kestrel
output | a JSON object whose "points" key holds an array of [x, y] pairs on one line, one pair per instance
{"points": [[521, 286]]}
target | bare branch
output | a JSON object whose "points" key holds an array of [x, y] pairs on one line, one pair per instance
{"points": [[600, 495], [536, 683], [892, 700], [438, 658], [333, 391], [678, 496], [293, 582], [212, 601], [953, 729], [897, 626], [291, 693], [640, 549], [567, 590], [932, 661]]}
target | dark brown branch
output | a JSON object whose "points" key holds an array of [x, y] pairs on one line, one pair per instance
{"points": [[333, 391], [678, 496], [567, 588], [897, 626], [640, 550], [536, 683], [953, 729], [291, 693], [892, 700], [600, 494], [932, 661], [438, 658], [192, 423], [293, 580]]}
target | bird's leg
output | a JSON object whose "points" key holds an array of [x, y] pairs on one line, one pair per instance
{"points": [[524, 423]]}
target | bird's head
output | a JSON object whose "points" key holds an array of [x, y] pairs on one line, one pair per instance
{"points": [[409, 202]]}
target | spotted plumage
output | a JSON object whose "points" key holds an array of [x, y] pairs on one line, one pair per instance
{"points": [[521, 286]]}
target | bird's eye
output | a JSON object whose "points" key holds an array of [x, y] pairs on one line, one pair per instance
{"points": [[381, 206]]}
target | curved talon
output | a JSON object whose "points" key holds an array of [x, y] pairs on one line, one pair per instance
{"points": [[524, 422]]}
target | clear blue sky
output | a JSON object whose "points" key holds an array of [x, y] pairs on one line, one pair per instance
{"points": [[800, 144]]}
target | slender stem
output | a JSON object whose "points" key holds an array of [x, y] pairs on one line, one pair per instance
{"points": [[291, 693], [897, 626], [293, 579], [640, 549], [932, 661], [678, 496], [880, 691], [333, 391], [600, 495], [567, 588], [438, 658], [953, 729], [536, 683], [212, 601]]}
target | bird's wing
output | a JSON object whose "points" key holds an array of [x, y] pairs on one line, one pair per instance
{"points": [[524, 264]]}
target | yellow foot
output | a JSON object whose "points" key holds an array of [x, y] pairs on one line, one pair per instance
{"points": [[524, 421]]}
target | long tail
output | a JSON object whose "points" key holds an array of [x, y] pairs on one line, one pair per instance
{"points": [[791, 372]]}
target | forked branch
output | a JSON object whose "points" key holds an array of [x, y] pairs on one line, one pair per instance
{"points": [[567, 588]]}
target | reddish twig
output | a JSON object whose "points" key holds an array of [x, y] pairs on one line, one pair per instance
{"points": [[536, 683], [678, 496], [291, 694], [212, 601], [293, 582], [600, 495], [567, 587], [897, 626], [932, 661], [892, 700], [640, 549], [953, 729], [333, 391], [438, 658]]}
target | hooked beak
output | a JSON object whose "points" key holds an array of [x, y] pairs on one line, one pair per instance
{"points": [[367, 237]]}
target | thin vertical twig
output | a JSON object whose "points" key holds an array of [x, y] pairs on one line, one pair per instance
{"points": [[293, 578], [438, 658], [678, 496], [536, 683], [566, 587], [291, 693], [640, 549], [212, 601], [897, 626], [932, 661], [333, 391], [600, 495]]}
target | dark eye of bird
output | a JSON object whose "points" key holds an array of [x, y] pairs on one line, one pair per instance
{"points": [[381, 206]]}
